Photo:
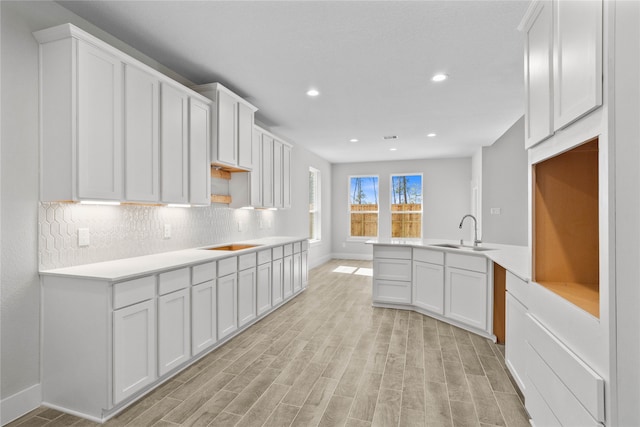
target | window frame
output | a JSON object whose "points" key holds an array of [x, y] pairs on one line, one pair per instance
{"points": [[391, 212], [350, 212], [318, 206]]}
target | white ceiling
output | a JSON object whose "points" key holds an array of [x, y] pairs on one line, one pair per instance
{"points": [[372, 62]]}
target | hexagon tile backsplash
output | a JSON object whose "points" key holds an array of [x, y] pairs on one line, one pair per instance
{"points": [[126, 231]]}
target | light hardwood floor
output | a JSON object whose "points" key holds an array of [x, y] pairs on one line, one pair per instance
{"points": [[328, 358]]}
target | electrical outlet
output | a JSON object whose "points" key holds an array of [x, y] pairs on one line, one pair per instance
{"points": [[167, 231], [496, 211], [83, 237]]}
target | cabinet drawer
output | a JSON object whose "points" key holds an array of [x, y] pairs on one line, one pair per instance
{"points": [[133, 291], [579, 379], [288, 249], [277, 252], [227, 266], [397, 252], [305, 245], [392, 291], [392, 269], [517, 287], [297, 247], [203, 273], [173, 281], [246, 261], [427, 255], [467, 262], [264, 257]]}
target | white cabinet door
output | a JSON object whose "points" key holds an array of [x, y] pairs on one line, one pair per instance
{"points": [[287, 276], [428, 286], [141, 138], [174, 330], [203, 316], [577, 64], [246, 296], [264, 288], [277, 282], [134, 349], [305, 268], [225, 149], [297, 272], [267, 171], [277, 174], [199, 166], [174, 143], [538, 73], [99, 115], [227, 305], [255, 178], [245, 137], [516, 340], [466, 297], [286, 177]]}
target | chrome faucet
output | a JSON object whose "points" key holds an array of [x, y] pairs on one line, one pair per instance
{"points": [[476, 242]]}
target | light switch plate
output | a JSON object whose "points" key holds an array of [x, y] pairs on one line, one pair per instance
{"points": [[167, 231], [496, 211], [83, 237]]}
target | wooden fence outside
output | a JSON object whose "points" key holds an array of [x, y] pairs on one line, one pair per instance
{"points": [[406, 220]]}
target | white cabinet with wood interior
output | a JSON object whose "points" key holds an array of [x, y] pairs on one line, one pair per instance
{"points": [[141, 135], [264, 278], [246, 288], [174, 319], [277, 281], [199, 167], [428, 280], [466, 296], [563, 64], [232, 127], [174, 143], [203, 307], [227, 297]]}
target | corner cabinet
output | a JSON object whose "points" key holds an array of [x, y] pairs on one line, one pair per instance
{"points": [[105, 133], [563, 64]]}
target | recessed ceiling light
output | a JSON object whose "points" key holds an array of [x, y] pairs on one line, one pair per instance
{"points": [[431, 135], [390, 137], [313, 92], [439, 77], [353, 140], [393, 149]]}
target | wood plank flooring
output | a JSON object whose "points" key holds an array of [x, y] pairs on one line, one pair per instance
{"points": [[328, 358]]}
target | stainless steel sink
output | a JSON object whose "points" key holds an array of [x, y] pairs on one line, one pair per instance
{"points": [[462, 247], [231, 247]]}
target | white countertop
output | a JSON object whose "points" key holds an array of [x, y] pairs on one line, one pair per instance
{"points": [[123, 269], [511, 257]]}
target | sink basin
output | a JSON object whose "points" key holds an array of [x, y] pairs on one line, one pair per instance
{"points": [[231, 247], [462, 247]]}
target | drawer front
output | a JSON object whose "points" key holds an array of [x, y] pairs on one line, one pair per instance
{"points": [[427, 255], [580, 380], [246, 261], [264, 257], [172, 281], [203, 273], [227, 266], [297, 247], [288, 249], [387, 251], [517, 287], [133, 291], [305, 245], [392, 291], [541, 414], [467, 262], [392, 269], [277, 252]]}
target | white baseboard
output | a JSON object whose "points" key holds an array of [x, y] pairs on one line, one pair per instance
{"points": [[25, 401], [358, 257], [316, 261]]}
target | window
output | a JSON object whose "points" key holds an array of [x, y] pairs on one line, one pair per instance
{"points": [[406, 206], [314, 204], [363, 206]]}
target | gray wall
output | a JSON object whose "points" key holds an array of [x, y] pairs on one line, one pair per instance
{"points": [[446, 198], [504, 186]]}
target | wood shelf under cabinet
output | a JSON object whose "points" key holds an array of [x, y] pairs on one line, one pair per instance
{"points": [[220, 198], [566, 258]]}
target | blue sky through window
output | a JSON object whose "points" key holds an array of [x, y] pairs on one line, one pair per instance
{"points": [[363, 190]]}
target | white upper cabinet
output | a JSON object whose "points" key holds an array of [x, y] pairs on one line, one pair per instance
{"points": [[174, 145], [563, 64], [141, 135], [277, 174], [286, 176], [232, 127], [267, 171], [199, 134]]}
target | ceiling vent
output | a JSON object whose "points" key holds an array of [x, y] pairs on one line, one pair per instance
{"points": [[390, 137]]}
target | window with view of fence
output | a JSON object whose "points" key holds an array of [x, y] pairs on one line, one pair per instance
{"points": [[363, 206], [406, 206]]}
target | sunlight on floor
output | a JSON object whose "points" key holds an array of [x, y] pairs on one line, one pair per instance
{"points": [[354, 270], [364, 272]]}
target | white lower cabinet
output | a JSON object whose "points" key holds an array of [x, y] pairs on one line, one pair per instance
{"points": [[428, 286], [246, 296], [134, 348], [277, 281], [305, 268], [297, 272], [174, 330], [466, 297], [287, 276], [516, 347], [227, 303], [263, 288], [203, 316]]}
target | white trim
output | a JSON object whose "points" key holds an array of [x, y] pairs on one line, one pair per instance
{"points": [[13, 407], [347, 255], [318, 261]]}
